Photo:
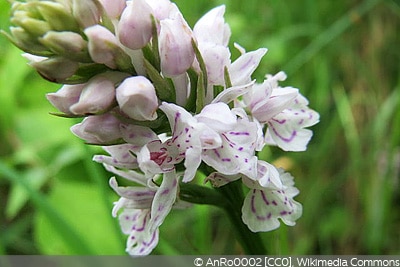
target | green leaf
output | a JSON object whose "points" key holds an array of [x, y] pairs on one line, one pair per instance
{"points": [[227, 78], [200, 97], [193, 77], [47, 208], [164, 87], [202, 64], [18, 197]]}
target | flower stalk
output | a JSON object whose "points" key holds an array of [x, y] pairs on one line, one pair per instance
{"points": [[252, 243]]}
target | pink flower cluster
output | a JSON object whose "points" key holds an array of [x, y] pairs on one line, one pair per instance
{"points": [[167, 101]]}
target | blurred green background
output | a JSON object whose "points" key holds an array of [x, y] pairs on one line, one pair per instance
{"points": [[344, 57]]}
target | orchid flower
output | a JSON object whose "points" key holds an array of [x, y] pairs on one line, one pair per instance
{"points": [[144, 210], [167, 102], [263, 206]]}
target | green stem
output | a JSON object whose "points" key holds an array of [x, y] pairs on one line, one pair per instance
{"points": [[230, 198], [251, 242], [201, 195]]}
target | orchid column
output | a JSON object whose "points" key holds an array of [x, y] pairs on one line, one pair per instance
{"points": [[166, 103]]}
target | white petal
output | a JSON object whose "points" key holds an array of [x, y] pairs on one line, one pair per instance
{"points": [[286, 128], [232, 93], [192, 163], [175, 114], [139, 197], [127, 174], [164, 199], [135, 222], [121, 156], [209, 138], [236, 154], [268, 175], [262, 208], [217, 116], [241, 70], [279, 100]]}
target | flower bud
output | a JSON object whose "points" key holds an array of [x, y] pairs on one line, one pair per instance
{"points": [[98, 129], [87, 12], [175, 44], [113, 8], [163, 9], [103, 46], [68, 44], [135, 26], [35, 27], [24, 41], [55, 69], [65, 97], [97, 96], [216, 58], [57, 15], [212, 27], [137, 98], [34, 19]]}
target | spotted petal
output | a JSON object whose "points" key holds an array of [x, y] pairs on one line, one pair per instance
{"points": [[264, 109], [186, 141], [236, 154], [138, 197], [263, 207], [287, 128], [135, 222], [120, 156], [164, 199]]}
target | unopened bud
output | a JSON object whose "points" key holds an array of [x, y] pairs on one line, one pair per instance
{"points": [[104, 48], [57, 15], [64, 98], [175, 44], [163, 9], [55, 69], [67, 44], [137, 98], [97, 96], [98, 129], [216, 58], [212, 27], [35, 27], [24, 41], [135, 26], [87, 12], [113, 8]]}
